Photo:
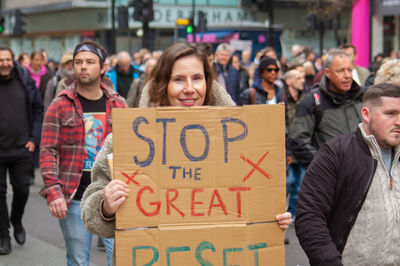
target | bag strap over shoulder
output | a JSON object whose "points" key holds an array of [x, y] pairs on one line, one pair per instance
{"points": [[317, 109], [252, 95]]}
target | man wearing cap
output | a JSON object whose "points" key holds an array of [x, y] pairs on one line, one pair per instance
{"points": [[74, 128], [263, 90], [66, 72]]}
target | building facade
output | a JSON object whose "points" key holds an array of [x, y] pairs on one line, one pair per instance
{"points": [[58, 25]]}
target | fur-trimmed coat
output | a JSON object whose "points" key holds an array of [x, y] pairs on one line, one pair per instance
{"points": [[94, 194]]}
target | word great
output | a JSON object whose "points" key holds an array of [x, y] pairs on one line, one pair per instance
{"points": [[203, 246], [172, 195], [225, 123]]}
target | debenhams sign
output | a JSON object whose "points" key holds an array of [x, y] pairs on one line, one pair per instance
{"points": [[386, 7], [165, 16]]}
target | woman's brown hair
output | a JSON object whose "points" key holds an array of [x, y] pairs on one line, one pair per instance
{"points": [[161, 74]]}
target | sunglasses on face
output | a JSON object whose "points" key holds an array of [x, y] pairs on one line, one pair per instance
{"points": [[272, 69]]}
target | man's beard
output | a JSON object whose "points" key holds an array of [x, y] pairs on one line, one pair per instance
{"points": [[7, 77]]}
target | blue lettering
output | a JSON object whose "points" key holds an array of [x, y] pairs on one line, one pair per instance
{"points": [[184, 146], [153, 260], [135, 127], [165, 121], [227, 250], [197, 174], [256, 247], [225, 134], [175, 249], [187, 172], [203, 246], [174, 168]]}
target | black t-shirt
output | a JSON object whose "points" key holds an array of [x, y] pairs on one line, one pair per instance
{"points": [[14, 123], [94, 112]]}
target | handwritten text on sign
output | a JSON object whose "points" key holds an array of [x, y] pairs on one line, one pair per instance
{"points": [[191, 171]]}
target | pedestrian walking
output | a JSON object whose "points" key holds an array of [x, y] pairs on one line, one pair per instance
{"points": [[263, 89], [123, 73], [74, 129], [292, 94], [350, 198], [228, 75], [39, 72], [21, 116], [330, 110]]}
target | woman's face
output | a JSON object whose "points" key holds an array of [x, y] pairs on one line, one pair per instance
{"points": [[36, 62], [236, 62], [187, 85]]}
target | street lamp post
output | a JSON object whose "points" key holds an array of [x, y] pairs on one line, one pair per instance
{"points": [[113, 31]]}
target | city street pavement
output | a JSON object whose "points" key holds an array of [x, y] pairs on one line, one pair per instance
{"points": [[45, 245]]}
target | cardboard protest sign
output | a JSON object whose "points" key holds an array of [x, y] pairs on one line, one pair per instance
{"points": [[206, 184]]}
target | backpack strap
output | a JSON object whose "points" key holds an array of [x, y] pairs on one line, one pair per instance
{"points": [[252, 95], [317, 109]]}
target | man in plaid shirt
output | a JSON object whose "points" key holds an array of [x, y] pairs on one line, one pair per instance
{"points": [[74, 129]]}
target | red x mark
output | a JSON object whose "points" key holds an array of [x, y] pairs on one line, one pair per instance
{"points": [[255, 167], [131, 178]]}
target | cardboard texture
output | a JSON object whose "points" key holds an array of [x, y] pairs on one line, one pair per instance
{"points": [[206, 184]]}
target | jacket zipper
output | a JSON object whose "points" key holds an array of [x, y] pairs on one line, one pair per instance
{"points": [[396, 158], [358, 208]]}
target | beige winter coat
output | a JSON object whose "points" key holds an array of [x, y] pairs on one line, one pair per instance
{"points": [[94, 194]]}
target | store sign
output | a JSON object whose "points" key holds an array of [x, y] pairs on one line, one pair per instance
{"points": [[386, 7], [166, 16]]}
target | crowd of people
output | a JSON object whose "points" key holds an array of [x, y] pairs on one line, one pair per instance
{"points": [[342, 137]]}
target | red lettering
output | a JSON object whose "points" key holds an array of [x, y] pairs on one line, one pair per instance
{"points": [[220, 204], [196, 202], [239, 198], [169, 202], [139, 203]]}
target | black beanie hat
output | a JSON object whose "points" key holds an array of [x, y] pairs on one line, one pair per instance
{"points": [[266, 61]]}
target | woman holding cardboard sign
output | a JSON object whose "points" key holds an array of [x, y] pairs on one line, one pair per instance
{"points": [[182, 77]]}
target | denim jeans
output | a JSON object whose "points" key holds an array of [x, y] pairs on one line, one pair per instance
{"points": [[78, 240], [293, 183]]}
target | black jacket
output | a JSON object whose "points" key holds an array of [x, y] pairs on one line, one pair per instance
{"points": [[333, 191], [314, 125], [34, 103]]}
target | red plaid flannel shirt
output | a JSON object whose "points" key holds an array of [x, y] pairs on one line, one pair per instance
{"points": [[62, 149]]}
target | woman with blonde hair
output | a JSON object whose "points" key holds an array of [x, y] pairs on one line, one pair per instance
{"points": [[389, 72]]}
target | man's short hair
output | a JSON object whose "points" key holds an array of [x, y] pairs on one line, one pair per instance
{"points": [[373, 95], [290, 74], [5, 48], [224, 47], [347, 46], [330, 56]]}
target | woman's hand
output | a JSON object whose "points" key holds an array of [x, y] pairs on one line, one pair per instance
{"points": [[284, 220], [115, 193]]}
